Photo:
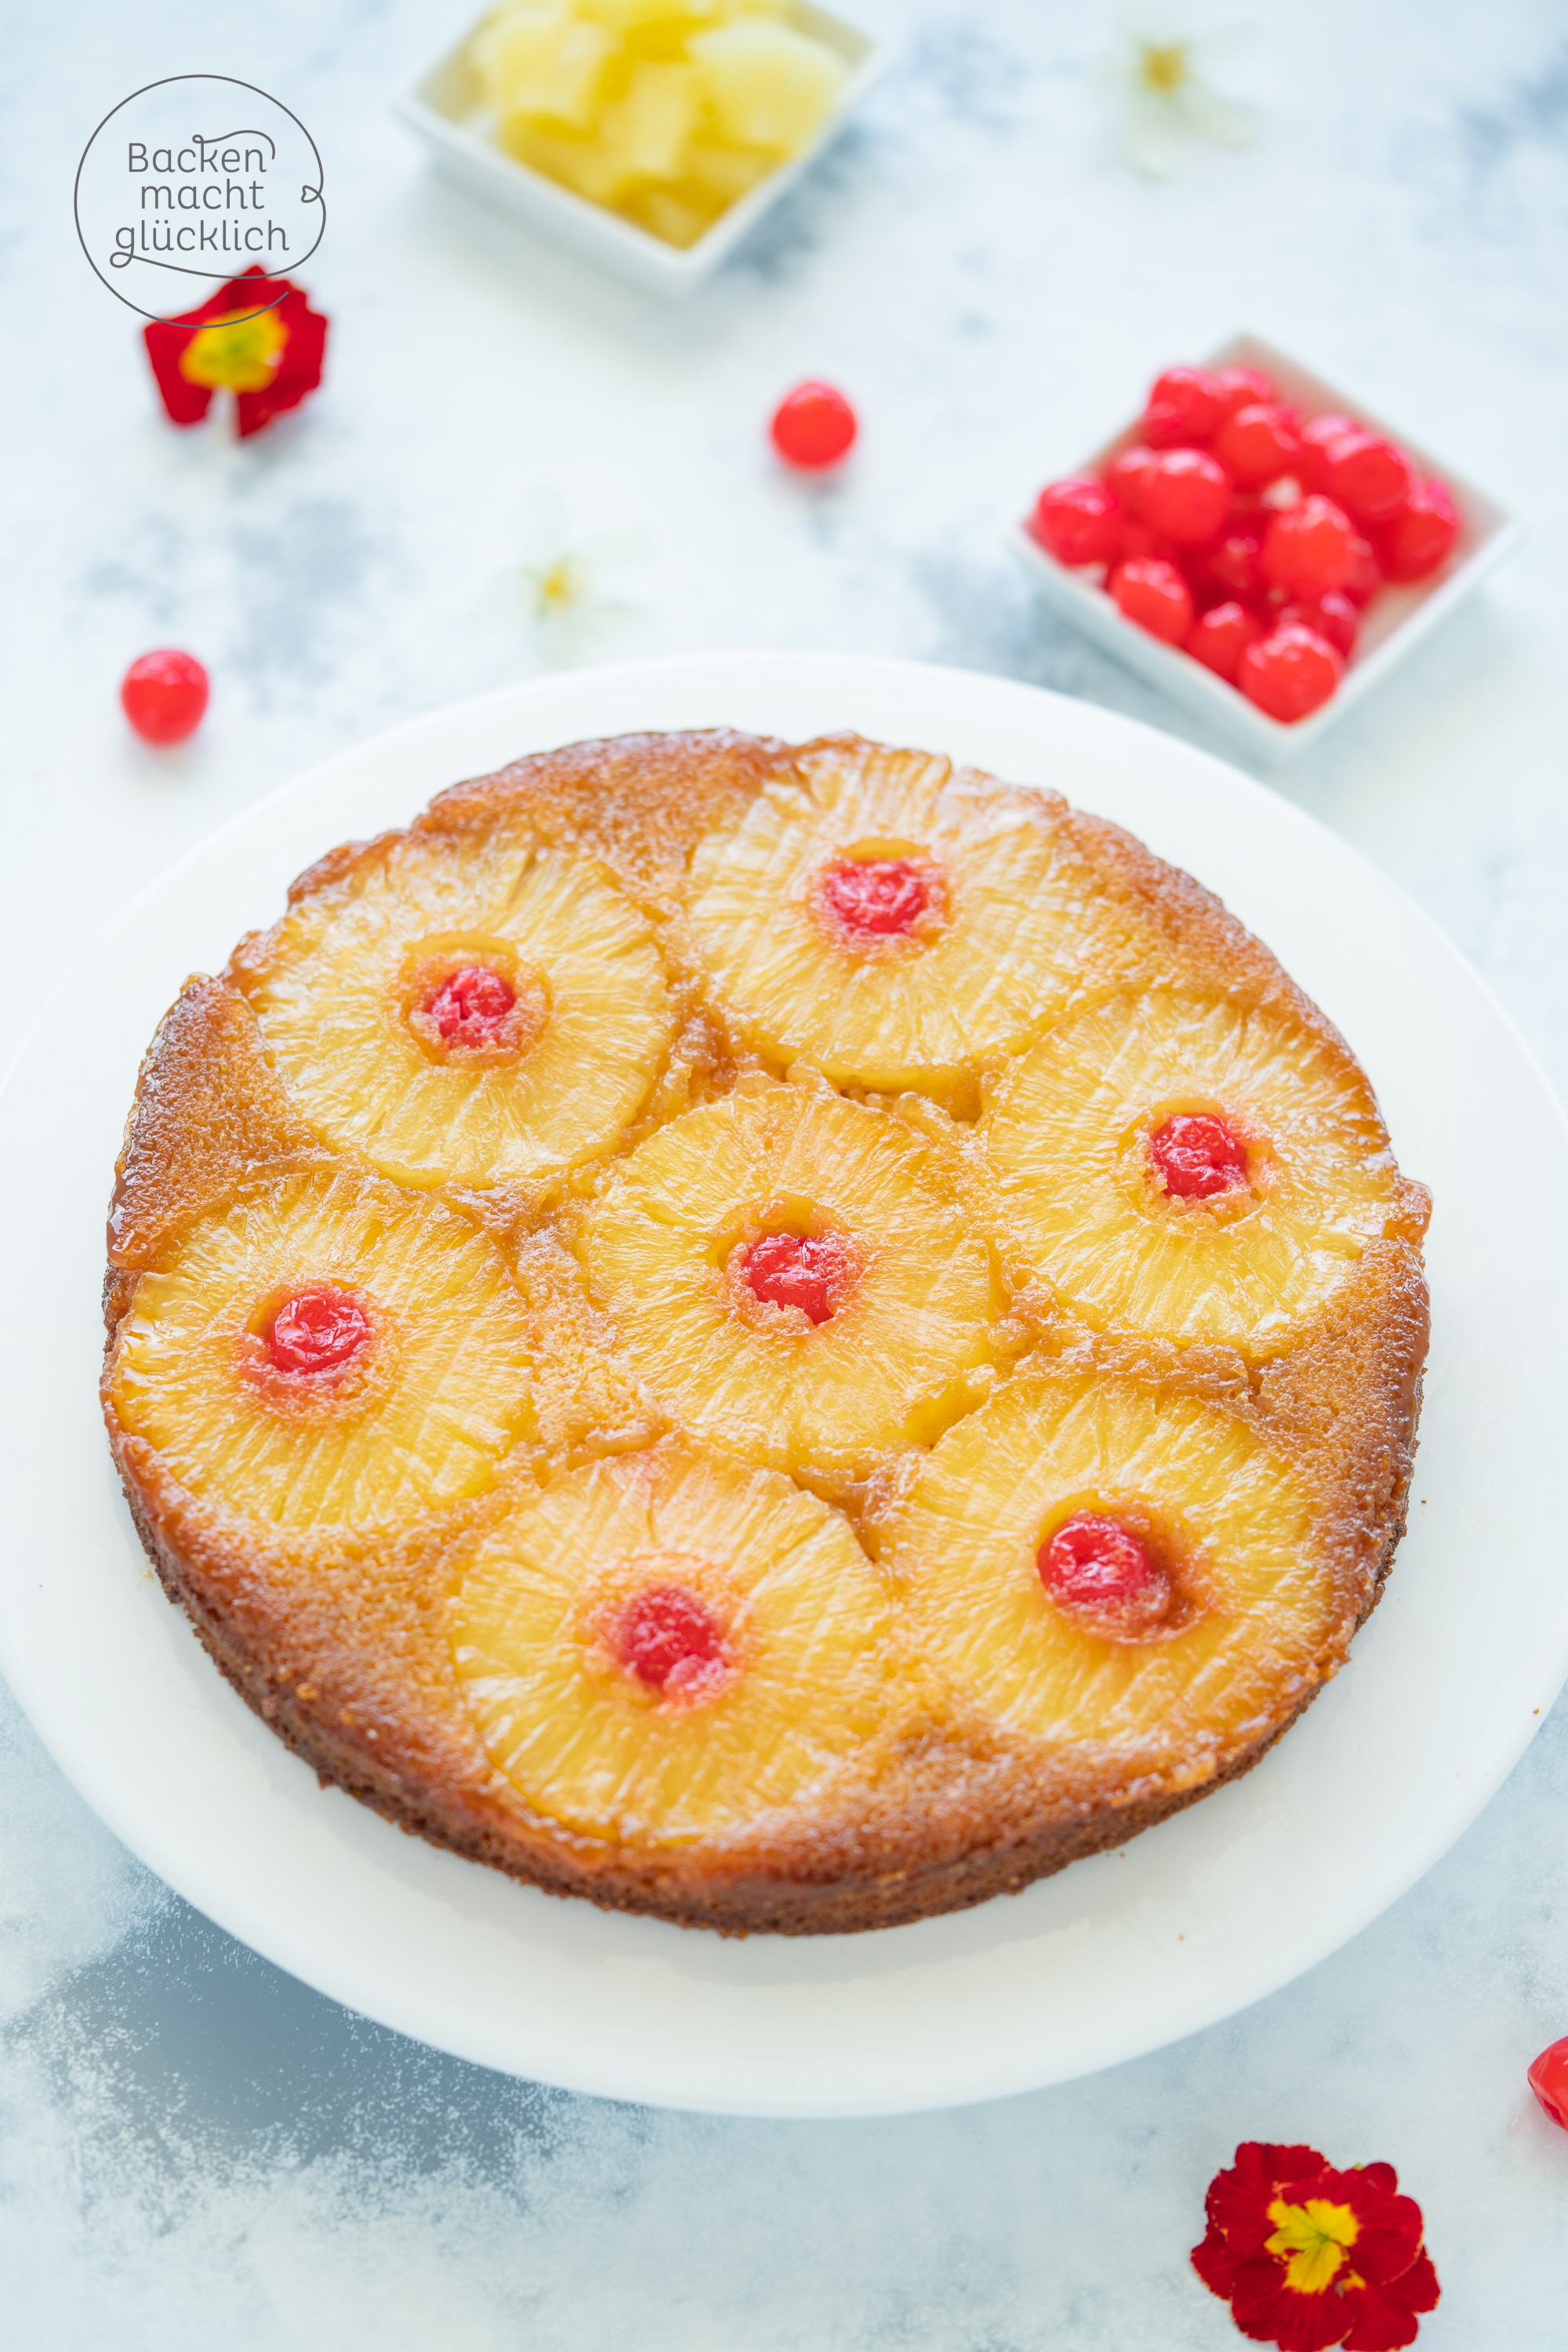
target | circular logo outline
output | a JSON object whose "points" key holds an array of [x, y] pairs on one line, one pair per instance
{"points": [[316, 196]]}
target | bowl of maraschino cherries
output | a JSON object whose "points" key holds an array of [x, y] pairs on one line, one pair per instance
{"points": [[1255, 532]]}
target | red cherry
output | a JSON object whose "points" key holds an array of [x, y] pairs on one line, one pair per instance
{"points": [[316, 1331], [1101, 1575], [1332, 616], [1075, 522], [810, 1271], [1307, 548], [471, 1006], [1136, 538], [1243, 387], [669, 1640], [1233, 565], [1421, 536], [813, 426], [1126, 476], [1185, 404], [876, 898], [1367, 476], [1197, 1154], [164, 695], [1363, 580], [1316, 437], [1187, 496], [1548, 2078], [1289, 674], [1257, 444], [1222, 636], [1153, 594]]}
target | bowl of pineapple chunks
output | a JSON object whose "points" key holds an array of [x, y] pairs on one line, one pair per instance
{"points": [[646, 135]]}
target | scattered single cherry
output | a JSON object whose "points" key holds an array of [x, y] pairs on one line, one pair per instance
{"points": [[316, 1331], [164, 695], [471, 1006], [876, 898], [810, 1271], [1186, 405], [1221, 636], [1307, 548], [1197, 1154], [812, 426], [1421, 535], [1289, 674], [1186, 494], [1548, 2078], [1154, 595], [1075, 522], [1101, 1574], [671, 1640]]}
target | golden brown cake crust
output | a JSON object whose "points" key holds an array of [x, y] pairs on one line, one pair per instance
{"points": [[343, 1646]]}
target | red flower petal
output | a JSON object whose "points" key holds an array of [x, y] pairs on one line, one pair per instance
{"points": [[1385, 2318], [1389, 2238], [1265, 2308], [1215, 2264], [1382, 2176], [299, 372], [183, 403], [299, 369], [1239, 2201]]}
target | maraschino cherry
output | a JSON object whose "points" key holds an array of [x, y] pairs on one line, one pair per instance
{"points": [[876, 898], [1103, 1577], [164, 695], [316, 1331], [1197, 1154], [812, 426], [809, 1271], [1548, 2078], [671, 1641], [471, 1006]]}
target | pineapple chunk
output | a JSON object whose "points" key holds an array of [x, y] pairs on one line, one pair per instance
{"points": [[647, 130], [1066, 1144], [1261, 1609], [768, 85], [440, 1399], [578, 159], [542, 60], [818, 1673], [330, 988], [1025, 925], [887, 1368]]}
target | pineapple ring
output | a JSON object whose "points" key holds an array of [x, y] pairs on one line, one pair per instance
{"points": [[887, 1368], [1258, 1608], [818, 1674], [1020, 921], [330, 989], [1067, 1140], [423, 1421]]}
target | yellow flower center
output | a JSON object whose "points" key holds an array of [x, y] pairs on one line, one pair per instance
{"points": [[1313, 2238], [1163, 66], [560, 585], [236, 353]]}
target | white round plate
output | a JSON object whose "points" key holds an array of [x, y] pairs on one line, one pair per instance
{"points": [[1118, 1954]]}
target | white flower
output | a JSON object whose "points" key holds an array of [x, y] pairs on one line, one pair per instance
{"points": [[565, 579], [1157, 79]]}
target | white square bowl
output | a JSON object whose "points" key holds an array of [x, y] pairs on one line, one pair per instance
{"points": [[446, 108], [1400, 619]]}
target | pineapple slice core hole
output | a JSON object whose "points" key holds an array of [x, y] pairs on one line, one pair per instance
{"points": [[666, 1629], [882, 895], [473, 1001], [787, 1267], [1116, 1571], [318, 1330], [1195, 1156]]}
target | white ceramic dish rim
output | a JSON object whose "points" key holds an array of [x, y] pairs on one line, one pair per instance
{"points": [[601, 235], [1116, 1956], [1494, 534]]}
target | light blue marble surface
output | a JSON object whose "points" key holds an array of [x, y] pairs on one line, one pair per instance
{"points": [[194, 2150]]}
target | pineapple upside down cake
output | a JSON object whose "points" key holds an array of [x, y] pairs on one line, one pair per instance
{"points": [[789, 1337]]}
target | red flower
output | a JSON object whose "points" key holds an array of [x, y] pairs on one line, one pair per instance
{"points": [[265, 351], [1308, 2256]]}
